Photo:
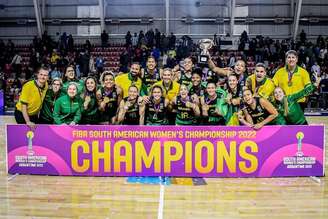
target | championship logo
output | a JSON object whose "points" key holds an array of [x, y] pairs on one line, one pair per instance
{"points": [[300, 160]]}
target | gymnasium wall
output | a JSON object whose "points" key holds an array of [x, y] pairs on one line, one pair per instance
{"points": [[23, 22]]}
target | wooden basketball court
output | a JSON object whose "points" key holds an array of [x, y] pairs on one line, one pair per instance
{"points": [[24, 196]]}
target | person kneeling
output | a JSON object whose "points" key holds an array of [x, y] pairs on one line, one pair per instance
{"points": [[258, 111], [288, 107]]}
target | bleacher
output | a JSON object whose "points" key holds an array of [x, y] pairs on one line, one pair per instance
{"points": [[111, 54]]}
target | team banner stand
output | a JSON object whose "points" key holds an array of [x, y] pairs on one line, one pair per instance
{"points": [[187, 151]]}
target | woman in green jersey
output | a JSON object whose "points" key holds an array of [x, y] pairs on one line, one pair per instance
{"points": [[233, 99], [132, 109], [109, 97], [70, 76], [156, 108], [46, 114], [89, 102], [257, 112], [67, 108], [210, 111], [288, 106], [187, 111]]}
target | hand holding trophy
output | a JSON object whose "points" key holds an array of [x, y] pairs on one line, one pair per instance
{"points": [[204, 45]]}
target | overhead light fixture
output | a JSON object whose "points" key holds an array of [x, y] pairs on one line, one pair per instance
{"points": [[145, 21], [85, 21], [189, 20], [115, 21], [219, 20], [21, 21], [56, 21], [278, 20], [249, 20], [314, 20]]}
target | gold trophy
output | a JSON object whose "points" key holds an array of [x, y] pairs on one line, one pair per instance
{"points": [[204, 45]]}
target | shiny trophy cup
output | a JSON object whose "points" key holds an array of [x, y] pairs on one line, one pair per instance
{"points": [[204, 45]]}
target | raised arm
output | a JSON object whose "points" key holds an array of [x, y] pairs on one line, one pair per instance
{"points": [[217, 70]]}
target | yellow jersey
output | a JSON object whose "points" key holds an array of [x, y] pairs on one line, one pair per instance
{"points": [[125, 81], [170, 93], [32, 96], [263, 89], [300, 78]]}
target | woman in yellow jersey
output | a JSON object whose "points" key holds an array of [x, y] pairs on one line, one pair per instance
{"points": [[170, 90], [259, 83], [31, 98], [169, 86]]}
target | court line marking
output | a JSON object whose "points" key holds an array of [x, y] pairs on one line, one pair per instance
{"points": [[161, 201], [12, 177], [315, 179]]}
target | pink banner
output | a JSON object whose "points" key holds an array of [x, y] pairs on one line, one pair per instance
{"points": [[191, 151]]}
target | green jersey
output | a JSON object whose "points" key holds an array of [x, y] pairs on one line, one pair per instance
{"points": [[46, 114], [213, 118], [111, 105], [185, 115], [132, 116], [184, 79], [198, 90], [67, 110], [156, 114], [295, 114], [90, 115], [80, 86], [259, 113], [150, 79]]}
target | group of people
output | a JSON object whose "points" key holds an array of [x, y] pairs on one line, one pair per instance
{"points": [[188, 94]]}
